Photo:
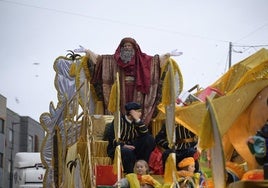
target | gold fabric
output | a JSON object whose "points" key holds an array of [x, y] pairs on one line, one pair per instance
{"points": [[101, 161], [173, 74], [241, 85], [206, 133], [99, 108], [247, 124], [112, 101], [117, 161], [99, 123], [170, 90], [170, 169], [99, 148]]}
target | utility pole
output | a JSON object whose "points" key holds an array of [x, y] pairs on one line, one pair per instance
{"points": [[230, 54]]}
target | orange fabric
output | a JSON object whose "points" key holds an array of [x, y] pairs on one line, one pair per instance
{"points": [[238, 170], [147, 179], [253, 175], [184, 173], [186, 162]]}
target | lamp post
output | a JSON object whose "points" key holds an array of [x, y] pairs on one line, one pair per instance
{"points": [[11, 153]]}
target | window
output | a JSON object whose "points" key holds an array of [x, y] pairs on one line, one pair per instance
{"points": [[2, 126], [1, 160], [30, 144], [36, 143], [9, 166], [10, 137]]}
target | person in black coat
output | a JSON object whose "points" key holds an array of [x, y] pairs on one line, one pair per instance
{"points": [[135, 140], [185, 146]]}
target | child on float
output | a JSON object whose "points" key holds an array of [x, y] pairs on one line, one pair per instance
{"points": [[185, 176], [140, 178]]}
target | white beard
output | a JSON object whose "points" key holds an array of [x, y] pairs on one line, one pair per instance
{"points": [[126, 55]]}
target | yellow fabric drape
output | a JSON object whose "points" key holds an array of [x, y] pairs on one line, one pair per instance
{"points": [[217, 155], [243, 86], [169, 100], [253, 68], [166, 84], [206, 139], [170, 169], [145, 179], [117, 160], [112, 101], [239, 89], [133, 180], [170, 91], [114, 107]]}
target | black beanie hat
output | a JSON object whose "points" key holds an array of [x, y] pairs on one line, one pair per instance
{"points": [[132, 106]]}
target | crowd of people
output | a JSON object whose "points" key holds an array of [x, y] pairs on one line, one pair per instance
{"points": [[137, 144], [140, 93]]}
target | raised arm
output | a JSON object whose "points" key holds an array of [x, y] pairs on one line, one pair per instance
{"points": [[164, 57], [93, 56]]}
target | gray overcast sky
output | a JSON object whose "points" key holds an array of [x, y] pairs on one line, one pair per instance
{"points": [[35, 33]]}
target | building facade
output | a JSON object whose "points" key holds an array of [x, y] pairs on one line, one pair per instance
{"points": [[17, 134], [3, 115]]}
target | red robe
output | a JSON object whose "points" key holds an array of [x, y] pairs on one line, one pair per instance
{"points": [[145, 89]]}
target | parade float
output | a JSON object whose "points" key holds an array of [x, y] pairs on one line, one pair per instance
{"points": [[223, 115]]}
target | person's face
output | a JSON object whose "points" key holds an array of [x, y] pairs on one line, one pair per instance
{"points": [[191, 168], [135, 114], [128, 46], [141, 168], [139, 112], [127, 52]]}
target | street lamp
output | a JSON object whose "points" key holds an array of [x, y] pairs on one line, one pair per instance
{"points": [[11, 153]]}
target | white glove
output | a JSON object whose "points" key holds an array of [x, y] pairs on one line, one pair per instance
{"points": [[81, 49], [175, 53]]}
